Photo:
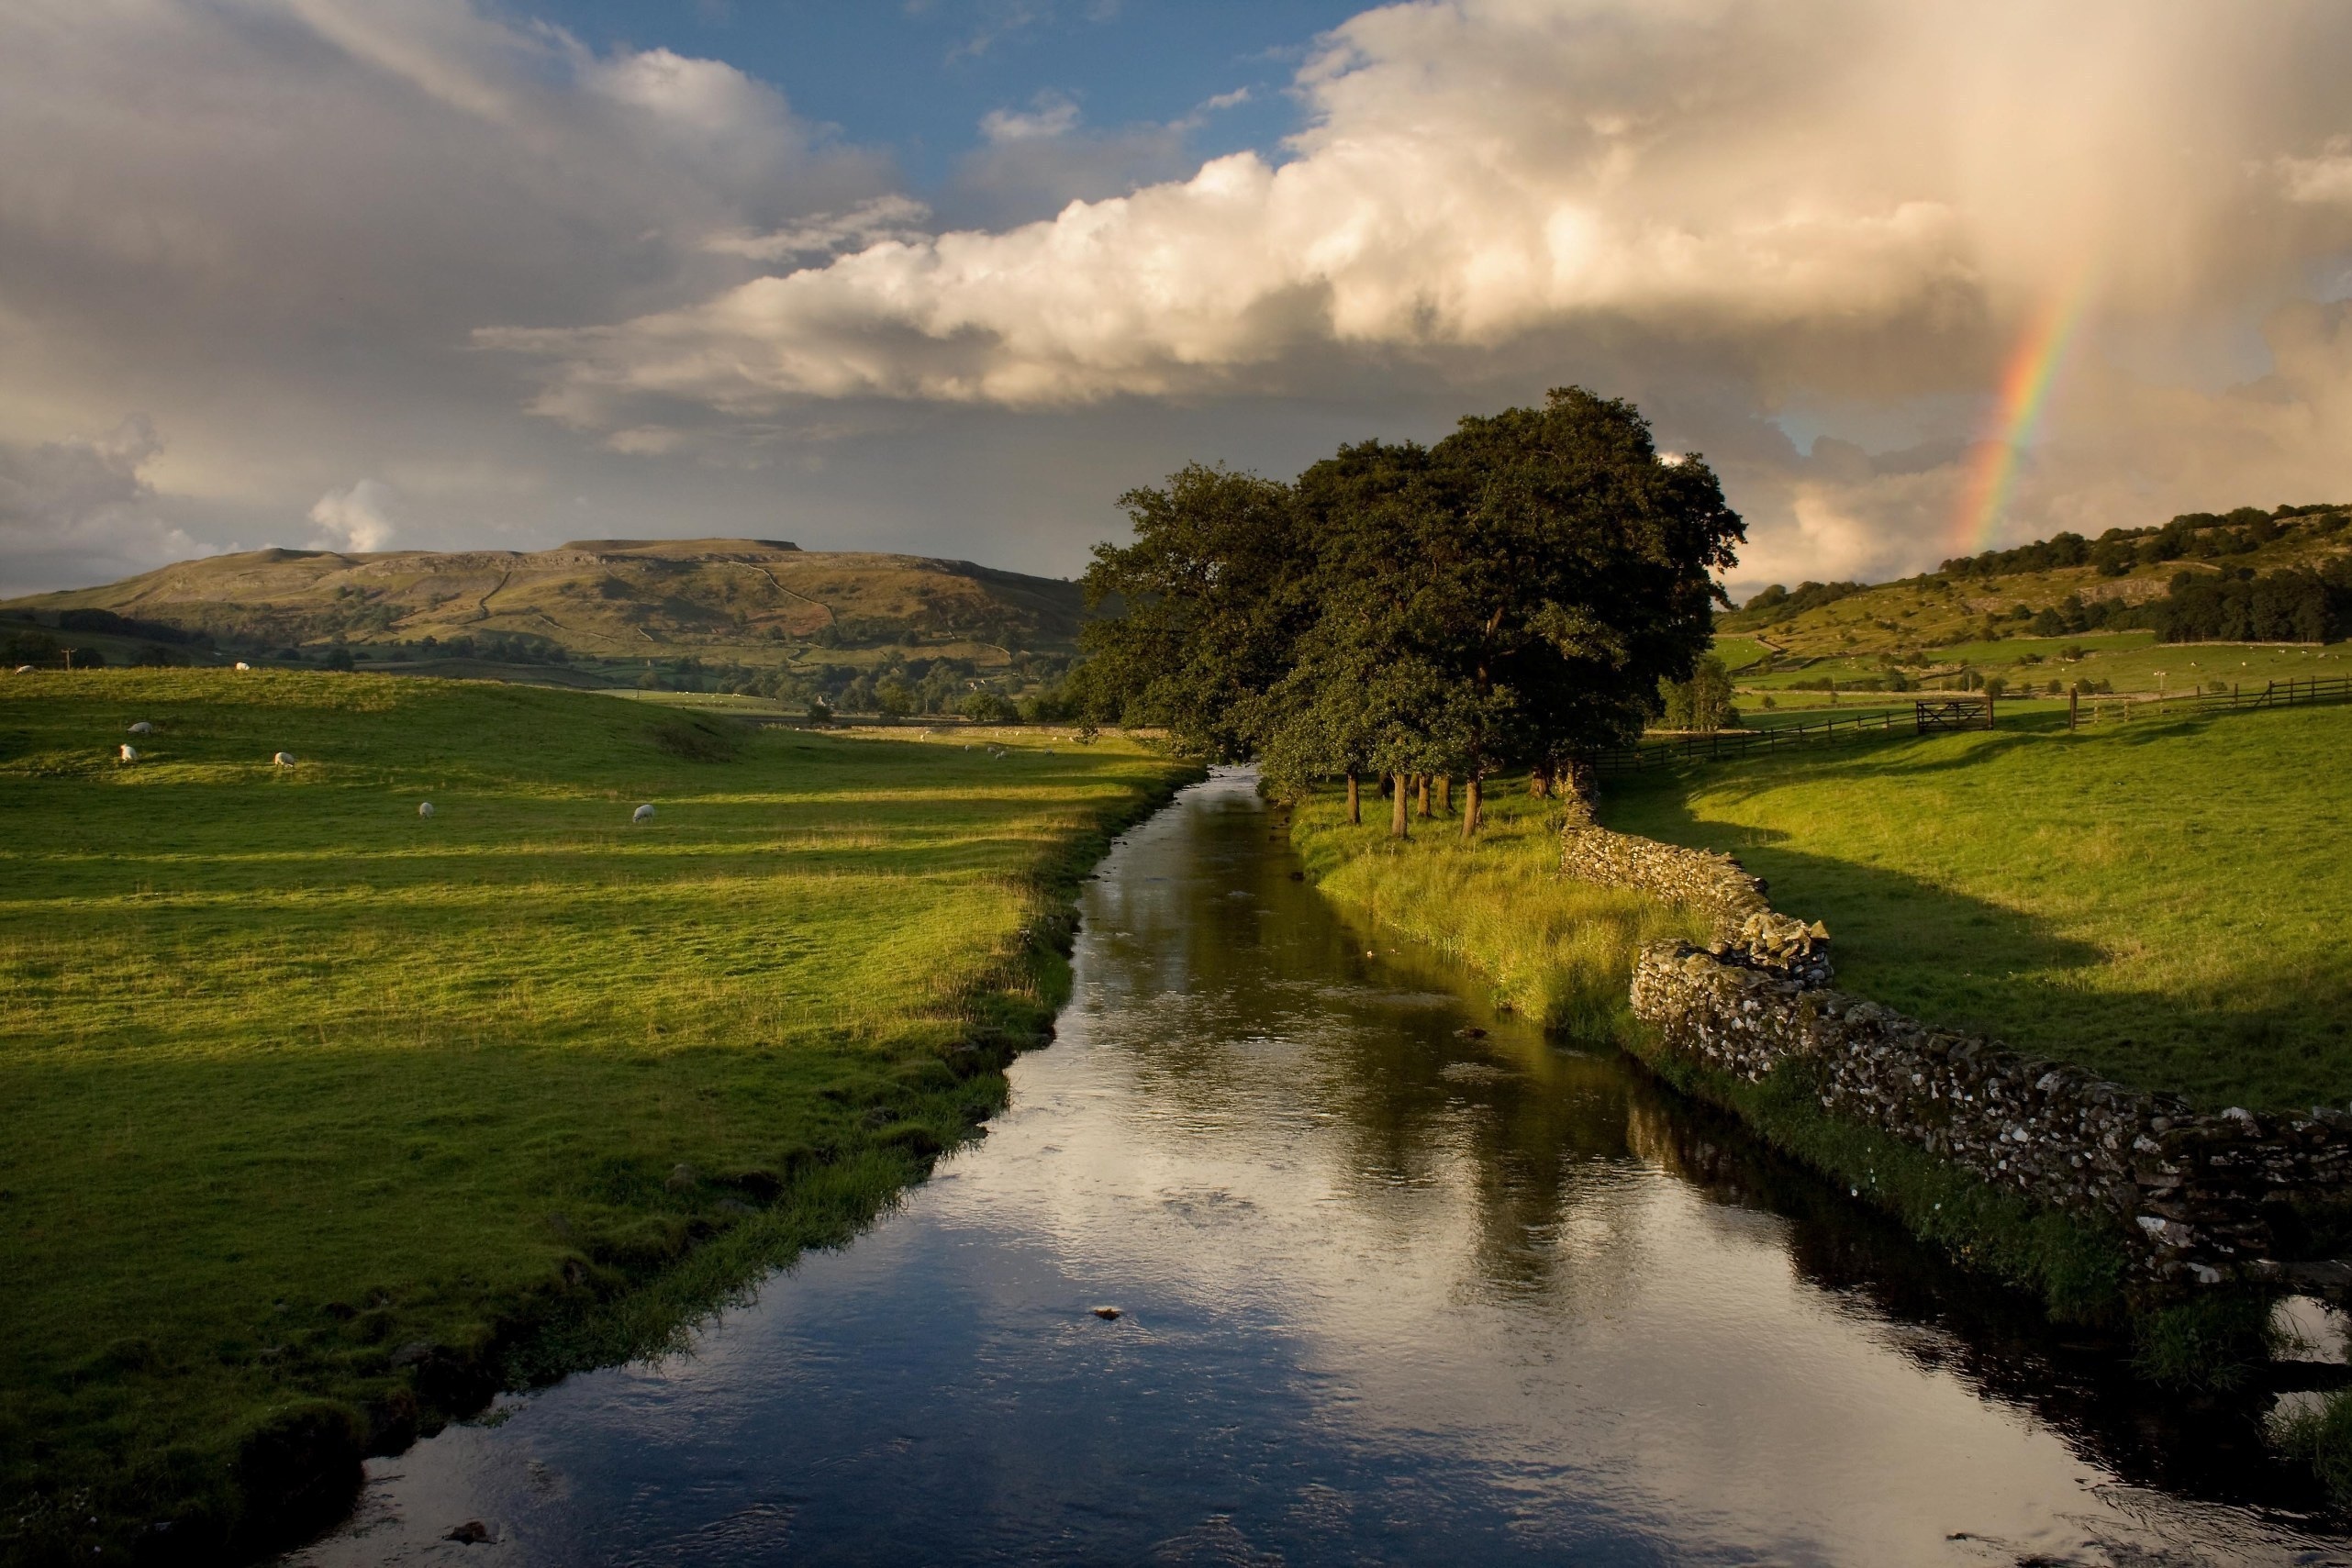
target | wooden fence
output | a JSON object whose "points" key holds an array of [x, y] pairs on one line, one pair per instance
{"points": [[1971, 710], [1730, 745], [2120, 709]]}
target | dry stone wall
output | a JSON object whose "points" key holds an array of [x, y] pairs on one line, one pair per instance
{"points": [[2197, 1198]]}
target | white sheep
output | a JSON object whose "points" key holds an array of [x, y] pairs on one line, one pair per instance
{"points": [[425, 809], [143, 727], [283, 760], [24, 669], [243, 665], [130, 753], [642, 814]]}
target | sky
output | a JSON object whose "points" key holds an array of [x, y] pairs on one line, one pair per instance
{"points": [[950, 276]]}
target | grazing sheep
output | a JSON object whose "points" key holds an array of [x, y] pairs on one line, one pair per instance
{"points": [[143, 727], [243, 665], [283, 760], [425, 809], [24, 669], [642, 814], [130, 753]]}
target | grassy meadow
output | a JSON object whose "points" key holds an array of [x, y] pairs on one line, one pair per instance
{"points": [[325, 1118], [1556, 950], [2162, 902]]}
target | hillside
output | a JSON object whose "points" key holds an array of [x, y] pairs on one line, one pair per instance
{"points": [[748, 615], [2109, 609], [591, 598]]}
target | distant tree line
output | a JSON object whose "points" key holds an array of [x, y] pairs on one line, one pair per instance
{"points": [[2299, 604], [2201, 536], [1511, 597], [1776, 604]]}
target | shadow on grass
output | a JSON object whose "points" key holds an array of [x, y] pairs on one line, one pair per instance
{"points": [[1966, 963]]}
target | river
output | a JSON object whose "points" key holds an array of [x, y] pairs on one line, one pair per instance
{"points": [[1398, 1280]]}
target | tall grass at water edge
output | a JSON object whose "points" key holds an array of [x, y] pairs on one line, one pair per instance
{"points": [[1559, 952]]}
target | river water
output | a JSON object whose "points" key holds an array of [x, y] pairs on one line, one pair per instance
{"points": [[1390, 1289]]}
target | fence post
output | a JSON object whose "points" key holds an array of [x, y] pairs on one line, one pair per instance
{"points": [[2074, 704]]}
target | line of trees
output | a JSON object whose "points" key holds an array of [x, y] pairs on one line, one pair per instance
{"points": [[1511, 597]]}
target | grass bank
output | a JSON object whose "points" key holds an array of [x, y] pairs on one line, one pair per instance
{"points": [[325, 1119], [2161, 903], [1564, 951], [1557, 951]]}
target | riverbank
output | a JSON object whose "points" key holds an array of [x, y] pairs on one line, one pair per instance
{"points": [[1560, 952], [1564, 951], [327, 1118], [2075, 1264]]}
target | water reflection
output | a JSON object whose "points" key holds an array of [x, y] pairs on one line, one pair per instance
{"points": [[1392, 1290]]}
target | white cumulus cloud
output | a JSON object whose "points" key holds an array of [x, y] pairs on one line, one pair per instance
{"points": [[358, 517]]}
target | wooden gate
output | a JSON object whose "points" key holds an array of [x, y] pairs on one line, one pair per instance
{"points": [[1954, 710]]}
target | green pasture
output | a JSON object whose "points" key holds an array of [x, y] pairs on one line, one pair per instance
{"points": [[320, 1113], [2127, 660], [2162, 902], [1738, 652]]}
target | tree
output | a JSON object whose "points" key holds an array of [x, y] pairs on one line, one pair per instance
{"points": [[1704, 701], [987, 708], [1515, 593], [1581, 573], [1209, 596]]}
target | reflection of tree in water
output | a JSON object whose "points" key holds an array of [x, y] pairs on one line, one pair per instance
{"points": [[1265, 1010], [2075, 1381], [1261, 1017]]}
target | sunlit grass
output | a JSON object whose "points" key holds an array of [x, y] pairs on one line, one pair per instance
{"points": [[295, 1078], [2163, 903], [1559, 951]]}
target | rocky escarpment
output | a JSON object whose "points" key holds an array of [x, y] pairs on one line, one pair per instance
{"points": [[2196, 1198]]}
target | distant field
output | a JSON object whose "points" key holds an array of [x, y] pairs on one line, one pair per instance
{"points": [[2128, 662], [312, 1101], [1738, 652], [2164, 903]]}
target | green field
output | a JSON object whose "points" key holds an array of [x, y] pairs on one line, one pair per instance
{"points": [[322, 1117], [2162, 903], [2127, 661]]}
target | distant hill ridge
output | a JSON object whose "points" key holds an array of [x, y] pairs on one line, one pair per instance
{"points": [[2284, 574], [605, 598]]}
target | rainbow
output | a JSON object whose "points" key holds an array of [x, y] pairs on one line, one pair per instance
{"points": [[2025, 383]]}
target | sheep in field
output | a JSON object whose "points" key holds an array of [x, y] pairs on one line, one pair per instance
{"points": [[642, 814], [143, 727], [243, 665], [130, 753], [425, 809], [283, 760]]}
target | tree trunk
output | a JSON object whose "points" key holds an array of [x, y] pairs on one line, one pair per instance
{"points": [[1355, 807], [1423, 788], [1471, 794], [1444, 795], [1397, 804]]}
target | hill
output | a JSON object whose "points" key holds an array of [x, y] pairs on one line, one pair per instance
{"points": [[2105, 608], [694, 614]]}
